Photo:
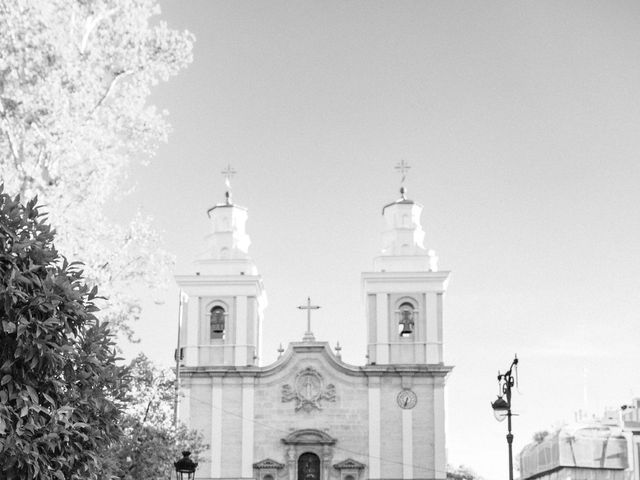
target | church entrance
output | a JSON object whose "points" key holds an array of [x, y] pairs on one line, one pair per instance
{"points": [[308, 466]]}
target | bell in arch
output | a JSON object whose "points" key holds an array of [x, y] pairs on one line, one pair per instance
{"points": [[406, 319]]}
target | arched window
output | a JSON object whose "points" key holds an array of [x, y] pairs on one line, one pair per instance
{"points": [[407, 321], [268, 476], [217, 322]]}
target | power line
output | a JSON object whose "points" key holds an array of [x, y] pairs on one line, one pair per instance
{"points": [[336, 448]]}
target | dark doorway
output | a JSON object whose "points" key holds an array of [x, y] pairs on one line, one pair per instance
{"points": [[308, 466]]}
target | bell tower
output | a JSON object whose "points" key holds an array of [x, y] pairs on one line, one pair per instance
{"points": [[221, 324], [404, 295]]}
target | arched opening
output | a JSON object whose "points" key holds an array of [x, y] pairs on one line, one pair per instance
{"points": [[406, 323], [349, 477], [308, 466], [268, 476], [217, 322]]}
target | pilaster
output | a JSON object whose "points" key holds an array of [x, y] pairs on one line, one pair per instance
{"points": [[241, 356], [247, 426], [192, 326], [440, 454], [382, 328], [216, 427], [375, 447], [407, 444]]}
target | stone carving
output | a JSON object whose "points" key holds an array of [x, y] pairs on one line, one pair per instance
{"points": [[307, 390], [268, 463], [349, 464]]}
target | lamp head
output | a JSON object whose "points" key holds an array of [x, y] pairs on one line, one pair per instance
{"points": [[500, 408], [185, 467]]}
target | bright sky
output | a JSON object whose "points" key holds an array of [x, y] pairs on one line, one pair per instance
{"points": [[521, 122]]}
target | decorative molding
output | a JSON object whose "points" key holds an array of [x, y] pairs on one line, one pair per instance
{"points": [[307, 390], [349, 463], [268, 463], [309, 436]]}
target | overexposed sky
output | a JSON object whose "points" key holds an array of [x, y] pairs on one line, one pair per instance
{"points": [[521, 121]]}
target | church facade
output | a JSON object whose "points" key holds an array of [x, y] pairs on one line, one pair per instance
{"points": [[309, 415]]}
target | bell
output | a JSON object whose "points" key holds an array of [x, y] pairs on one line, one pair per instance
{"points": [[406, 329], [407, 323]]}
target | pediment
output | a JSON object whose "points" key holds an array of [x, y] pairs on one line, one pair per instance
{"points": [[309, 436], [349, 463], [325, 359], [268, 463]]}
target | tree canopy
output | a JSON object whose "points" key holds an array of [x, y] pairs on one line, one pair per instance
{"points": [[461, 472], [75, 80], [151, 443], [60, 386]]}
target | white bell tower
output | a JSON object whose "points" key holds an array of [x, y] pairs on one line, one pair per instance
{"points": [[404, 295], [221, 324]]}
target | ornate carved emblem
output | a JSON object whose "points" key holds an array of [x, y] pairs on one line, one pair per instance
{"points": [[307, 390]]}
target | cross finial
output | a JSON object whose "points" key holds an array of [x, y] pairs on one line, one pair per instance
{"points": [[308, 335], [280, 351], [228, 173], [402, 167]]}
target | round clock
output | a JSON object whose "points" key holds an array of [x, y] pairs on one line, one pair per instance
{"points": [[407, 398]]}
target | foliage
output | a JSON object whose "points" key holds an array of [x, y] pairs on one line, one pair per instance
{"points": [[59, 382], [75, 77], [539, 437], [461, 473], [151, 443]]}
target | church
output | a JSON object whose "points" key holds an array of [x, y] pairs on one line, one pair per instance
{"points": [[309, 415]]}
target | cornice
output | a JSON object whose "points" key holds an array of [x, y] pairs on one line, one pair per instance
{"points": [[440, 275], [200, 280], [324, 350]]}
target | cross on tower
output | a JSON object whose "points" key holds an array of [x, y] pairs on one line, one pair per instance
{"points": [[228, 173], [402, 167], [308, 335]]}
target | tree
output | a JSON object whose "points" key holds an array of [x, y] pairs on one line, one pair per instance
{"points": [[540, 436], [461, 473], [151, 442], [75, 77], [59, 382]]}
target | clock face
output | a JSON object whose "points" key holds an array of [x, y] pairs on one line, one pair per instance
{"points": [[407, 398]]}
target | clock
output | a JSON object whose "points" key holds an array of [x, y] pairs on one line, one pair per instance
{"points": [[407, 398]]}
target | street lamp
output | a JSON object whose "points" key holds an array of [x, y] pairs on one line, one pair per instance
{"points": [[185, 467], [502, 407]]}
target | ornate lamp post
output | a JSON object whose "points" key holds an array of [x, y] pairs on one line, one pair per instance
{"points": [[502, 407], [185, 467]]}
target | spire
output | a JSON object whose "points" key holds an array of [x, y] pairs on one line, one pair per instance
{"points": [[228, 240], [403, 237]]}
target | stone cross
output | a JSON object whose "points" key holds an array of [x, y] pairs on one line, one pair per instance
{"points": [[308, 335]]}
